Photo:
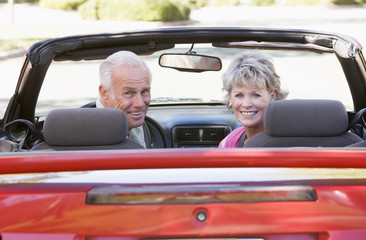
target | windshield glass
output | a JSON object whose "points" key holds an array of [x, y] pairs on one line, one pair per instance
{"points": [[305, 75]]}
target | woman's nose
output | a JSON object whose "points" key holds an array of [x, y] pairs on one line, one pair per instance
{"points": [[247, 102]]}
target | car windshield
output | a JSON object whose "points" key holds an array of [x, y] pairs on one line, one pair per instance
{"points": [[305, 75]]}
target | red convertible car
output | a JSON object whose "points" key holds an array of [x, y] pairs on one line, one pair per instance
{"points": [[67, 174]]}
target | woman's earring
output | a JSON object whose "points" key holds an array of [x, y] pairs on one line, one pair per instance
{"points": [[230, 105]]}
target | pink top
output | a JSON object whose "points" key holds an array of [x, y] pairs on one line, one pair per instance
{"points": [[232, 140]]}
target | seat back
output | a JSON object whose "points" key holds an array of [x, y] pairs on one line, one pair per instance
{"points": [[85, 129], [361, 144], [304, 123]]}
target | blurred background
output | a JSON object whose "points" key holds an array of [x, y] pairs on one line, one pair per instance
{"points": [[24, 22]]}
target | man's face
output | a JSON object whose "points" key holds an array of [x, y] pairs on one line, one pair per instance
{"points": [[131, 93]]}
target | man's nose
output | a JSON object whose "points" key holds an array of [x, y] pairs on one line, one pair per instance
{"points": [[138, 100]]}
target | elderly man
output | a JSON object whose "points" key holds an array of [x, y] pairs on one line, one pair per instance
{"points": [[125, 83]]}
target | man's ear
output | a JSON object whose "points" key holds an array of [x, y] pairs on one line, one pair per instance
{"points": [[104, 95]]}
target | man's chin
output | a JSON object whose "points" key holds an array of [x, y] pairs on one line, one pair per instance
{"points": [[135, 121], [135, 124]]}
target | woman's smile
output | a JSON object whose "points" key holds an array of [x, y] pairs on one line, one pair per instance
{"points": [[248, 113]]}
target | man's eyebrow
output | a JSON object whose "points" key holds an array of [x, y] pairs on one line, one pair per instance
{"points": [[129, 89], [135, 89]]}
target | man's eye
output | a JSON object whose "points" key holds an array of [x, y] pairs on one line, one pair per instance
{"points": [[238, 95]]}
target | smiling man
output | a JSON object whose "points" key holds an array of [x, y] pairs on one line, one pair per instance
{"points": [[125, 83]]}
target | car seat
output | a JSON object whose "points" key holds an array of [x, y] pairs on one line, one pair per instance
{"points": [[85, 129], [304, 123]]}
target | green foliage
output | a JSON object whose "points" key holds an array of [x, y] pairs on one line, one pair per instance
{"points": [[209, 3], [218, 3], [18, 42], [197, 3], [61, 4], [302, 2], [20, 1], [348, 2], [89, 9], [263, 2], [24, 1], [135, 10], [286, 2]]}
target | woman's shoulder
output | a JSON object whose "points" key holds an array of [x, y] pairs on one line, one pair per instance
{"points": [[237, 131], [232, 139]]}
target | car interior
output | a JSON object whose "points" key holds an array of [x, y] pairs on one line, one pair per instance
{"points": [[69, 129], [307, 123], [325, 107]]}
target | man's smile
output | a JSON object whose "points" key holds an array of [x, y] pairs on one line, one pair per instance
{"points": [[135, 113]]}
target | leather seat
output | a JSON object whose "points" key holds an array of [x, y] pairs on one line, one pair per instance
{"points": [[85, 129], [358, 145], [304, 123]]}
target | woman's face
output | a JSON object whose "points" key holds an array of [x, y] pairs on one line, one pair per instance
{"points": [[249, 104]]}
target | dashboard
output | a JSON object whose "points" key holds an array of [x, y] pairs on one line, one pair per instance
{"points": [[189, 126]]}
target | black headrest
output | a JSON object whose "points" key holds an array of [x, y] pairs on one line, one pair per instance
{"points": [[305, 118], [85, 127]]}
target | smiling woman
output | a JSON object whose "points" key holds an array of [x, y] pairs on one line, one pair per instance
{"points": [[251, 83]]}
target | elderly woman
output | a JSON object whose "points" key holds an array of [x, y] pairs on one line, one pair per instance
{"points": [[251, 82]]}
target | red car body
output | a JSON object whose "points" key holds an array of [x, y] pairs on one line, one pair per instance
{"points": [[34, 209]]}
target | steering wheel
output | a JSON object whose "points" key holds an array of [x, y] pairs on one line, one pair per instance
{"points": [[358, 124], [23, 132]]}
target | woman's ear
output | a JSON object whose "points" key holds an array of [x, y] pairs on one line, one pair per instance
{"points": [[273, 95]]}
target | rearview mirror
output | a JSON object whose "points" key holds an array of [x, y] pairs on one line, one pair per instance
{"points": [[190, 62]]}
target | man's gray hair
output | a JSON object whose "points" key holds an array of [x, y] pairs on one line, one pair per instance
{"points": [[256, 68], [122, 59]]}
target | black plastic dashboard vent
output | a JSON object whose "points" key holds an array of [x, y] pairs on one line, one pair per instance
{"points": [[188, 134], [214, 134], [200, 134]]}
